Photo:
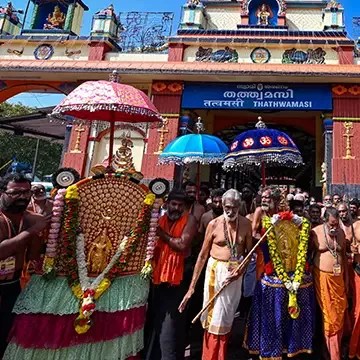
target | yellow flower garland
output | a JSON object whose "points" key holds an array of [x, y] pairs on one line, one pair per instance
{"points": [[291, 285]]}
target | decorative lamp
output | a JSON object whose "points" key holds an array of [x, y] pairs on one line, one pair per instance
{"points": [[106, 24], [193, 16], [333, 16]]}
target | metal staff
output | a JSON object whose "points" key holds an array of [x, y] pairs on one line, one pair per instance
{"points": [[241, 265]]}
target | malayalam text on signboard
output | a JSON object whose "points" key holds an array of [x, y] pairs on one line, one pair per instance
{"points": [[257, 96]]}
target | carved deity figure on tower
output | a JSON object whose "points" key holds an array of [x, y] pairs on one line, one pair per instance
{"points": [[264, 14], [55, 20], [123, 159]]}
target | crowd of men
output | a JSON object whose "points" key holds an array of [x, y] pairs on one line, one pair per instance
{"points": [[203, 238], [227, 231]]}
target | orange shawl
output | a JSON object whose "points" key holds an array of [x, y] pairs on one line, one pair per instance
{"points": [[169, 264]]}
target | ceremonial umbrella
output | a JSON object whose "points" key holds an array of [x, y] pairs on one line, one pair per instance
{"points": [[194, 148], [108, 101], [260, 147]]}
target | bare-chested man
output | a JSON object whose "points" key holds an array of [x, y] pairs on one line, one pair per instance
{"points": [[354, 351], [270, 200], [331, 278], [227, 240], [18, 235], [39, 203], [193, 207]]}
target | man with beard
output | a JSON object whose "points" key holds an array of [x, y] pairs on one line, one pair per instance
{"points": [[204, 195], [328, 203], [227, 240], [197, 299], [171, 278], [355, 337], [270, 200], [282, 317], [346, 222], [247, 196], [39, 203], [18, 235], [331, 279], [354, 209], [315, 215], [192, 206], [216, 210]]}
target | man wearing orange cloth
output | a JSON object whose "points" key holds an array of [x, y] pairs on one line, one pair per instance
{"points": [[331, 278], [227, 240], [171, 278], [355, 337]]}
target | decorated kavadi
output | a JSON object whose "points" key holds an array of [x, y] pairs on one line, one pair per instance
{"points": [[284, 303], [89, 300]]}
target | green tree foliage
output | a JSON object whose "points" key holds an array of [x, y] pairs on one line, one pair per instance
{"points": [[23, 148]]}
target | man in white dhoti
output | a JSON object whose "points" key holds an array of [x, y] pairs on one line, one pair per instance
{"points": [[227, 240]]}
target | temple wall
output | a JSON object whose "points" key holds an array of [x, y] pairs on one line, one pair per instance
{"points": [[28, 49], [112, 56], [304, 19], [223, 18], [275, 51]]}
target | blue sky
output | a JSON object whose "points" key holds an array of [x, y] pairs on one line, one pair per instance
{"points": [[352, 8]]}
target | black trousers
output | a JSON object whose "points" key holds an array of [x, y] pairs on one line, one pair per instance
{"points": [[165, 333], [8, 295]]}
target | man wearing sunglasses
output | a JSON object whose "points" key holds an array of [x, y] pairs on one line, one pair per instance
{"points": [[19, 231]]}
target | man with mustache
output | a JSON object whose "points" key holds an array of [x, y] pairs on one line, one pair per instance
{"points": [[216, 210], [354, 209], [270, 201], [331, 278], [197, 298], [39, 203], [171, 278], [227, 240], [328, 203], [354, 351], [193, 207], [315, 215], [18, 236]]}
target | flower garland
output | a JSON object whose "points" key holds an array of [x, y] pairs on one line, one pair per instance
{"points": [[54, 231], [74, 250], [151, 241], [291, 284]]}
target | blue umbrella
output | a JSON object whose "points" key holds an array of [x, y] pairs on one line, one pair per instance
{"points": [[263, 146], [194, 148]]}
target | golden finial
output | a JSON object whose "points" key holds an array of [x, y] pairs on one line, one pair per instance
{"points": [[348, 125]]}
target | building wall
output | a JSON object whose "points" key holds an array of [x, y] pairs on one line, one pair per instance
{"points": [[112, 56], [223, 18], [276, 53], [60, 49], [304, 19]]}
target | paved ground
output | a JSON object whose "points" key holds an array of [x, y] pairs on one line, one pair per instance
{"points": [[237, 352]]}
